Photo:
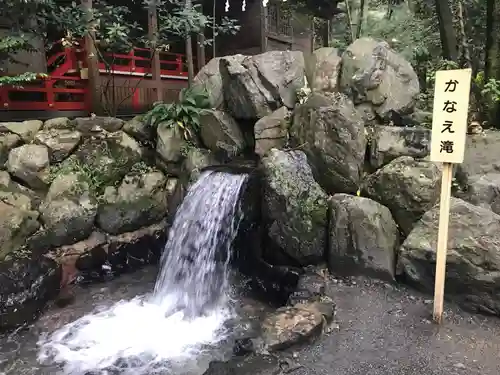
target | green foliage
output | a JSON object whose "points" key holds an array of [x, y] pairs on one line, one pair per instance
{"points": [[86, 173], [185, 113]]}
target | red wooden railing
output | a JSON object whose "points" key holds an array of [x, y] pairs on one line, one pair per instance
{"points": [[65, 90]]}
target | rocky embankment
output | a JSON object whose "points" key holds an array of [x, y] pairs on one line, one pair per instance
{"points": [[344, 181]]}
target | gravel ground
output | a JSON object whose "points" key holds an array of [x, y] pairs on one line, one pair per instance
{"points": [[383, 330]]}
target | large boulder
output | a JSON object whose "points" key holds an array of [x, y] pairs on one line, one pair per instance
{"points": [[97, 123], [16, 224], [484, 191], [331, 132], [221, 134], [271, 131], [323, 69], [108, 156], [294, 207], [69, 209], [170, 143], [59, 142], [27, 283], [26, 129], [210, 79], [473, 261], [30, 164], [141, 199], [140, 129], [373, 72], [255, 86], [388, 143], [8, 141], [408, 187], [363, 237]]}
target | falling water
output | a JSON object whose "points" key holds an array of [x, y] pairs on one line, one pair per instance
{"points": [[189, 305]]}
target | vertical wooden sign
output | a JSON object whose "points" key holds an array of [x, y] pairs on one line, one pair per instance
{"points": [[449, 130]]}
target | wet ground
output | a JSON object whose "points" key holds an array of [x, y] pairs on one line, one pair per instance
{"points": [[18, 350], [379, 329], [387, 331]]}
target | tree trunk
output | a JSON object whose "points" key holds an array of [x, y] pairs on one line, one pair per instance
{"points": [[360, 19], [492, 61], [446, 30], [189, 51]]}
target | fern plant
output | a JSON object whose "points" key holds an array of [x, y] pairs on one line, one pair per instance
{"points": [[185, 113]]}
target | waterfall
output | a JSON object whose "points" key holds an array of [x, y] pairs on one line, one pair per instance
{"points": [[188, 307]]}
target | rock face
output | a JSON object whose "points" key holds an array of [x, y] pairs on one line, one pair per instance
{"points": [[406, 186], [294, 207], [389, 142], [331, 132], [484, 191], [69, 209], [209, 77], [97, 123], [473, 261], [323, 70], [60, 142], [140, 200], [271, 131], [255, 86], [294, 325], [363, 237], [139, 129], [30, 164], [27, 283], [170, 143], [373, 72], [26, 129], [15, 226], [221, 134]]}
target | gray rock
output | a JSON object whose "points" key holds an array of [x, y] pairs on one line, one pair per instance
{"points": [[221, 134], [210, 79], [170, 143], [373, 72], [484, 191], [294, 325], [58, 123], [30, 164], [97, 123], [271, 131], [255, 86], [196, 160], [323, 70], [389, 143], [408, 187], [473, 261], [7, 142], [294, 206], [26, 129], [108, 156], [363, 238], [69, 209], [330, 131], [60, 142], [140, 200], [139, 129], [16, 225]]}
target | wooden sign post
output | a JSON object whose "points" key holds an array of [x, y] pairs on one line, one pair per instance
{"points": [[449, 129]]}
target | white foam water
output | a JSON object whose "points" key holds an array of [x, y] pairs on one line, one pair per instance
{"points": [[187, 310]]}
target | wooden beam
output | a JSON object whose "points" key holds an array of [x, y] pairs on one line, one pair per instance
{"points": [[92, 61], [155, 56]]}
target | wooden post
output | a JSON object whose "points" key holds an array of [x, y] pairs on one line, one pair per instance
{"points": [[449, 129], [92, 60], [263, 27], [155, 63]]}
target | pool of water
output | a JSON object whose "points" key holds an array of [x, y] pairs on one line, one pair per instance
{"points": [[20, 350]]}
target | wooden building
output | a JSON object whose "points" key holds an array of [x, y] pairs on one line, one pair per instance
{"points": [[80, 83]]}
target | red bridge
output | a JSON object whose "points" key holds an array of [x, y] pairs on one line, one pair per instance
{"points": [[125, 82]]}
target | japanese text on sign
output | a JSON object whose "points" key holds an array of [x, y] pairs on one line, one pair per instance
{"points": [[449, 119]]}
